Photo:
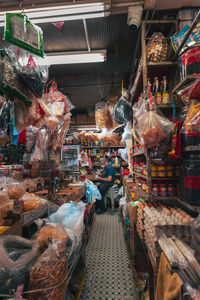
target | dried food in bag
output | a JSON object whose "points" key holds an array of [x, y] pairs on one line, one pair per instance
{"points": [[30, 201], [154, 128], [122, 112], [157, 48], [15, 190], [24, 34], [192, 122], [17, 255], [3, 196], [32, 69], [102, 116], [51, 232], [49, 274], [60, 132]]}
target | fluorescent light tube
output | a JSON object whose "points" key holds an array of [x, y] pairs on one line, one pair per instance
{"points": [[76, 58], [63, 13]]}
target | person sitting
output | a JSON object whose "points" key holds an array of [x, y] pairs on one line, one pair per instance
{"points": [[107, 180]]}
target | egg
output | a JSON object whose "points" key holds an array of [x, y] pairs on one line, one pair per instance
{"points": [[186, 221]]}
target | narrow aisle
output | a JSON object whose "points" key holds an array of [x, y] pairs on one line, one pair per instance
{"points": [[108, 273]]}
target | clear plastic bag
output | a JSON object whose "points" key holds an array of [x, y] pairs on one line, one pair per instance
{"points": [[3, 196], [40, 152], [51, 232], [92, 190], [153, 128], [31, 202], [31, 132], [157, 48], [49, 273], [103, 116], [17, 255], [32, 69], [127, 134], [60, 132], [122, 112], [4, 121], [192, 122], [15, 190]]}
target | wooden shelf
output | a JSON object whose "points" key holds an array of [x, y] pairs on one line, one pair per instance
{"points": [[99, 147], [161, 64], [185, 83], [164, 198], [138, 153], [140, 175]]}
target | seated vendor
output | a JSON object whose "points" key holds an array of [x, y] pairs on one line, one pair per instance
{"points": [[107, 180]]}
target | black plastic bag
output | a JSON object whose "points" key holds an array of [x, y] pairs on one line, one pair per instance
{"points": [[122, 112]]}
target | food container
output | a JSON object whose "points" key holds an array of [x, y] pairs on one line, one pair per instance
{"points": [[153, 171], [163, 190], [169, 171], [155, 189], [161, 171]]}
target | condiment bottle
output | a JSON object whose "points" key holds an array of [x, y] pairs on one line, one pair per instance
{"points": [[157, 91], [165, 91]]}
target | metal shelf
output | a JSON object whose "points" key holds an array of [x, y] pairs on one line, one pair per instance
{"points": [[185, 83], [163, 198], [164, 178]]}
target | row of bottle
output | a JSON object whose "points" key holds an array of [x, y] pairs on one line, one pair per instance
{"points": [[160, 90]]}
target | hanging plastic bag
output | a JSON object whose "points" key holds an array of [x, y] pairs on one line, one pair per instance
{"points": [[192, 122], [32, 69], [17, 255], [13, 85], [4, 122], [103, 116], [122, 112], [127, 133], [22, 33], [157, 48], [154, 128], [60, 132], [40, 152]]}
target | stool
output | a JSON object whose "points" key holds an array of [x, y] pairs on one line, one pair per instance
{"points": [[110, 194]]}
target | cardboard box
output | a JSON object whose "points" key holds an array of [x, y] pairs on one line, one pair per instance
{"points": [[81, 119]]}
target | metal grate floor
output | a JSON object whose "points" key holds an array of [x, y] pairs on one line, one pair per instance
{"points": [[109, 276]]}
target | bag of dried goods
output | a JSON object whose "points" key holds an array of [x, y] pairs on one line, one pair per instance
{"points": [[157, 48]]}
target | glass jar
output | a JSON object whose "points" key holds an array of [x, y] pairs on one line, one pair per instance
{"points": [[169, 171], [153, 171], [163, 190], [155, 189], [161, 171]]}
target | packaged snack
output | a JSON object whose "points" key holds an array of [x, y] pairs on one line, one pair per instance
{"points": [[31, 202], [157, 48], [31, 68], [22, 33], [103, 116], [40, 152]]}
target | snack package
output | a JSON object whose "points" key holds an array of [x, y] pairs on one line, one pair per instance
{"points": [[60, 132], [31, 68], [192, 122], [17, 255], [31, 202], [153, 128], [102, 116], [15, 190], [122, 112], [157, 48], [22, 33], [49, 273]]}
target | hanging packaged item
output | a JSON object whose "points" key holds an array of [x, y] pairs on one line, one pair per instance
{"points": [[122, 112], [157, 48], [13, 84], [192, 122], [190, 61], [103, 116], [31, 68], [22, 33], [40, 152], [154, 128], [175, 146], [60, 132], [4, 122]]}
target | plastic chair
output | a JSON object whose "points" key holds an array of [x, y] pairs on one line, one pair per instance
{"points": [[110, 194]]}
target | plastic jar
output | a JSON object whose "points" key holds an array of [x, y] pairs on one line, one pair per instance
{"points": [[155, 189]]}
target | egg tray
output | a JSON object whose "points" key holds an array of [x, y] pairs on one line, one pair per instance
{"points": [[154, 247], [140, 224], [140, 232]]}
